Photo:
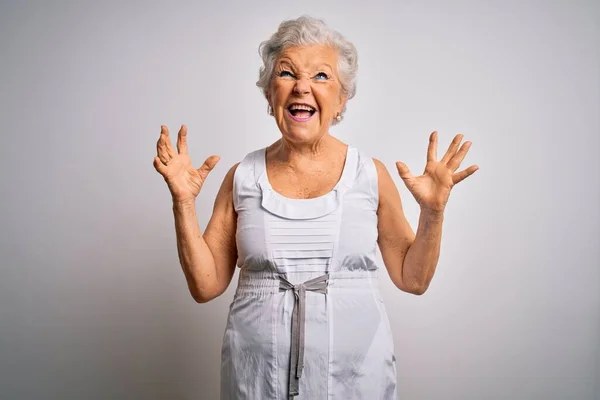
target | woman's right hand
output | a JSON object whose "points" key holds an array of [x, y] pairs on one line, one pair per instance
{"points": [[183, 179]]}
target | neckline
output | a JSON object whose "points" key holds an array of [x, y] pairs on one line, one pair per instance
{"points": [[266, 185]]}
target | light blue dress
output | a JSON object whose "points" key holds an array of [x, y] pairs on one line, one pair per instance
{"points": [[307, 320]]}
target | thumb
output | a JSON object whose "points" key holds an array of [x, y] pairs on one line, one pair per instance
{"points": [[208, 166], [403, 170]]}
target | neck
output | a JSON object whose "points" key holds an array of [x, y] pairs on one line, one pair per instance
{"points": [[307, 154]]}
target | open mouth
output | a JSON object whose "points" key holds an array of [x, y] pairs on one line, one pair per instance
{"points": [[301, 112]]}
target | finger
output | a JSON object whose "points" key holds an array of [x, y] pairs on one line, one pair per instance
{"points": [[455, 161], [452, 148], [403, 170], [170, 151], [161, 152], [208, 166], [160, 167], [182, 140], [459, 176], [432, 149], [161, 148]]}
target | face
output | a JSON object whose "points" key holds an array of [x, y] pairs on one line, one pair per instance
{"points": [[305, 92]]}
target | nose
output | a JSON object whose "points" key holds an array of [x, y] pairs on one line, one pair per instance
{"points": [[302, 86]]}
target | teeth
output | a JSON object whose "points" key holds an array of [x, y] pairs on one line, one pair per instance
{"points": [[301, 107]]}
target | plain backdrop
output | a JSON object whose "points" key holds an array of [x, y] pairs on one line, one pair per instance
{"points": [[93, 303]]}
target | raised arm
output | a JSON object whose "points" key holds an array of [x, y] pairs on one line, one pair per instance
{"points": [[412, 259], [208, 261], [395, 234]]}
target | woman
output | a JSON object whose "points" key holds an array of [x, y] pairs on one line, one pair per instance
{"points": [[302, 218]]}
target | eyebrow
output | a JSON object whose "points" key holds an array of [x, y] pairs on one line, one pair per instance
{"points": [[331, 70], [289, 63], [284, 61]]}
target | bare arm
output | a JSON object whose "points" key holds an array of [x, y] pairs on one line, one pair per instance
{"points": [[423, 255], [413, 259], [395, 234], [410, 259], [208, 261]]}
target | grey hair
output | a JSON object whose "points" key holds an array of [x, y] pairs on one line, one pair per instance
{"points": [[305, 31]]}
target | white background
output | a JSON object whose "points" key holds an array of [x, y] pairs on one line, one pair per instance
{"points": [[93, 303]]}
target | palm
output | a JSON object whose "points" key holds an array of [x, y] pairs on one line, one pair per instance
{"points": [[432, 189], [182, 178], [184, 181]]}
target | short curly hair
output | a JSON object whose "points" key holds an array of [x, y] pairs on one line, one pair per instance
{"points": [[306, 31]]}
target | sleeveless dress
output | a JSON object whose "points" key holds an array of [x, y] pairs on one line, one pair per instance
{"points": [[307, 320]]}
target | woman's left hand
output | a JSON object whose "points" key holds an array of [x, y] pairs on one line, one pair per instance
{"points": [[432, 189]]}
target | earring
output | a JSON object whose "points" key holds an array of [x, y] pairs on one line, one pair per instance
{"points": [[270, 110], [338, 117]]}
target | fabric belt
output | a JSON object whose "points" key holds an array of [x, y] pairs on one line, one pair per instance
{"points": [[317, 285]]}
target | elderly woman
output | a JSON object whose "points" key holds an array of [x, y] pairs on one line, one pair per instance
{"points": [[302, 218]]}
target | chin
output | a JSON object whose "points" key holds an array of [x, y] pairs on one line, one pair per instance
{"points": [[301, 135]]}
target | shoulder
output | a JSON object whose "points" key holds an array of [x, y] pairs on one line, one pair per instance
{"points": [[235, 176], [248, 166], [381, 168], [243, 167], [229, 176], [388, 192], [243, 176], [224, 196], [383, 174], [371, 164], [374, 167]]}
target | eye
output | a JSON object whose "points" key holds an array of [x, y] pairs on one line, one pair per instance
{"points": [[321, 76], [285, 73]]}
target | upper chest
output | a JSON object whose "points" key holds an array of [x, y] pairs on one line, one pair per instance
{"points": [[314, 181]]}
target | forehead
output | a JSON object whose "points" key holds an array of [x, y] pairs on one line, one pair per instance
{"points": [[309, 56]]}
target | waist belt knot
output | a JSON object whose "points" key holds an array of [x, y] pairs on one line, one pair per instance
{"points": [[317, 285]]}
